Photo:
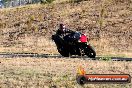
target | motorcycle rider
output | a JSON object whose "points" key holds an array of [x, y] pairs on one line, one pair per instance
{"points": [[63, 31], [68, 48]]}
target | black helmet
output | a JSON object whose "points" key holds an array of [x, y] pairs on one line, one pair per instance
{"points": [[61, 26]]}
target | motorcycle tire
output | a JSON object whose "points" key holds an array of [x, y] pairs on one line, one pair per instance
{"points": [[90, 52], [63, 52]]}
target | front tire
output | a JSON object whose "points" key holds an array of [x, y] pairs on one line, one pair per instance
{"points": [[60, 45], [63, 52]]}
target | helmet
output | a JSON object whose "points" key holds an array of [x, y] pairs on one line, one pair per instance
{"points": [[61, 26]]}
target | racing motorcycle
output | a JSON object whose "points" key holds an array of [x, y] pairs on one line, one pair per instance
{"points": [[73, 44]]}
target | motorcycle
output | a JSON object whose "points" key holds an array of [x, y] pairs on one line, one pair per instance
{"points": [[73, 44]]}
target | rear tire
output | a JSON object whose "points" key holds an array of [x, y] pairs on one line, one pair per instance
{"points": [[90, 52]]}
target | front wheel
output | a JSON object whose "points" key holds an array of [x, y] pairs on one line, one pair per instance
{"points": [[63, 52]]}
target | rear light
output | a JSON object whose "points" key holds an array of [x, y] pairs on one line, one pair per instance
{"points": [[83, 38]]}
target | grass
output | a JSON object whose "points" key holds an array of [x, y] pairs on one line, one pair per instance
{"points": [[29, 29], [60, 72], [37, 22]]}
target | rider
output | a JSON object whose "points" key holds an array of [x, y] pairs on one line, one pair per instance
{"points": [[63, 30]]}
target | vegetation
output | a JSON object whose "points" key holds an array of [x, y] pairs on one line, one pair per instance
{"points": [[105, 58], [57, 72], [76, 1], [46, 1]]}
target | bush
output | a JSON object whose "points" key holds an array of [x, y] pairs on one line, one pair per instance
{"points": [[105, 58], [47, 1], [77, 1]]}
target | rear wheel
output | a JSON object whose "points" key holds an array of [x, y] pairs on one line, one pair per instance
{"points": [[90, 52]]}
